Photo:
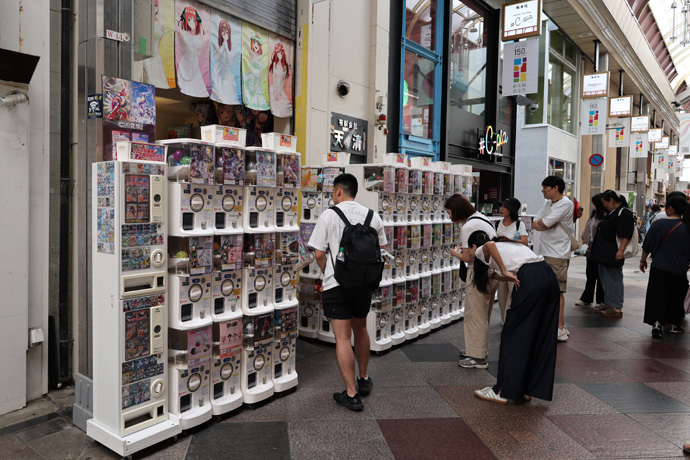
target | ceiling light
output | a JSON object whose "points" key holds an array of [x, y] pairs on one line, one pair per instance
{"points": [[585, 35]]}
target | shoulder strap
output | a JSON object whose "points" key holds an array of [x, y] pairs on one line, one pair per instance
{"points": [[342, 215], [495, 225], [370, 216], [480, 218], [670, 231]]}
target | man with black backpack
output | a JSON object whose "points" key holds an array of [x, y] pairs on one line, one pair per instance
{"points": [[347, 244]]}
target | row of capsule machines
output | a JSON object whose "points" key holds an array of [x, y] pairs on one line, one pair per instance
{"points": [[200, 266], [421, 288]]}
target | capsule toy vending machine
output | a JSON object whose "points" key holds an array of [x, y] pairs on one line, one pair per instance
{"points": [[310, 284], [329, 175], [190, 363], [326, 333], [256, 378], [285, 348], [378, 190], [257, 276], [412, 281], [427, 192], [227, 277], [228, 197], [448, 188], [462, 175], [457, 311], [226, 391], [129, 256], [416, 187], [379, 318], [446, 269], [402, 189], [220, 134], [398, 312], [436, 276], [312, 196], [437, 200], [258, 211], [287, 199], [191, 189], [190, 283]]}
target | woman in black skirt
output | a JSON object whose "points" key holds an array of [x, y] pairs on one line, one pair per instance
{"points": [[527, 359], [668, 241]]}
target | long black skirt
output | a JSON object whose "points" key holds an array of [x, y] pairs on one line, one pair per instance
{"points": [[665, 297], [527, 359]]}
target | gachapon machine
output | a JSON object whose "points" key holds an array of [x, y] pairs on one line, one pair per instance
{"points": [[227, 279], [377, 188], [257, 349], [190, 281], [379, 318], [312, 270], [398, 313], [423, 317], [399, 270], [411, 308], [435, 305], [284, 348], [285, 274], [388, 251], [427, 194], [228, 196], [257, 275], [312, 195], [444, 314], [225, 135], [226, 391], [438, 213], [287, 198], [259, 208], [326, 333], [401, 194], [190, 363], [463, 180], [414, 197], [309, 307], [329, 174]]}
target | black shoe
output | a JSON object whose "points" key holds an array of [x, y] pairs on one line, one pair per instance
{"points": [[656, 331], [676, 329], [364, 386], [351, 402]]}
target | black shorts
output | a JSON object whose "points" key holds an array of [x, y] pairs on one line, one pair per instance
{"points": [[341, 303]]}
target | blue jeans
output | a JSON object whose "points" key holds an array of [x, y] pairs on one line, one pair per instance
{"points": [[612, 280]]}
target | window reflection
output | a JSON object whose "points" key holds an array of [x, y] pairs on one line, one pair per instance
{"points": [[418, 96], [419, 22], [468, 59]]}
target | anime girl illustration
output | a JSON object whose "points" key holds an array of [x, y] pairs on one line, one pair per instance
{"points": [[254, 67], [189, 44], [154, 70], [279, 72], [223, 87]]}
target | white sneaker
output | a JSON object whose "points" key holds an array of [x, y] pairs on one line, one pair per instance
{"points": [[487, 394], [562, 335], [581, 303]]}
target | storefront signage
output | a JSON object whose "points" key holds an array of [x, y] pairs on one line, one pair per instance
{"points": [[94, 106], [520, 68], [348, 134], [619, 132], [620, 106], [492, 141], [595, 85], [521, 19], [596, 159], [593, 116], [639, 146], [684, 134], [639, 124], [654, 135], [673, 150], [663, 144]]}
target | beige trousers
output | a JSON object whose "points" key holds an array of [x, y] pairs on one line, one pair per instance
{"points": [[505, 292], [478, 308]]}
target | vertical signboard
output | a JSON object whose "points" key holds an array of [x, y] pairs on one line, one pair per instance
{"points": [[520, 67], [639, 146], [619, 132], [593, 116]]}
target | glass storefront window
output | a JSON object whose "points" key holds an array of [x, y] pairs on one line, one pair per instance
{"points": [[561, 79], [468, 59], [564, 170], [418, 96], [536, 117], [420, 23]]}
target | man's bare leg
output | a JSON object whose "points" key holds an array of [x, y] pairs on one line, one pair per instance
{"points": [[561, 308], [342, 329], [359, 327]]}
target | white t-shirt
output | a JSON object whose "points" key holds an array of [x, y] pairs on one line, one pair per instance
{"points": [[660, 215], [329, 230], [471, 226], [509, 231], [555, 242], [514, 256]]}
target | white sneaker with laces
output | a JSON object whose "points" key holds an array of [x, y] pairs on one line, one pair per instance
{"points": [[581, 303], [487, 394], [562, 335]]}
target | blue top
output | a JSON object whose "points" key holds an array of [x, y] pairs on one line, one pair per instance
{"points": [[673, 255]]}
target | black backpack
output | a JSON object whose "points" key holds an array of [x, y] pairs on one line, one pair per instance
{"points": [[362, 267]]}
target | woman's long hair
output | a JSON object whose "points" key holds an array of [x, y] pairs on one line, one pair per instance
{"points": [[598, 209], [481, 269]]}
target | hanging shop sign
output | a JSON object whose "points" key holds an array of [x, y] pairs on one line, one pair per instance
{"points": [[593, 116], [639, 124], [639, 146], [663, 144], [660, 161], [620, 106], [672, 150], [654, 135], [94, 106], [671, 164], [348, 134], [521, 19], [684, 134], [596, 159], [520, 68], [595, 85], [491, 142], [619, 132]]}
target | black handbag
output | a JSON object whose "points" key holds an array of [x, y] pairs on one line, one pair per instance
{"points": [[463, 271]]}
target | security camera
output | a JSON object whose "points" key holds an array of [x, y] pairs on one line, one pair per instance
{"points": [[533, 107], [343, 88]]}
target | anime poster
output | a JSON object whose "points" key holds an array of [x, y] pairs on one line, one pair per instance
{"points": [[200, 255], [255, 50], [159, 70], [199, 345], [192, 46], [202, 164], [129, 113], [230, 338], [280, 71], [226, 47]]}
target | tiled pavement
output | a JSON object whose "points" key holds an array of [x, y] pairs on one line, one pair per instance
{"points": [[618, 395]]}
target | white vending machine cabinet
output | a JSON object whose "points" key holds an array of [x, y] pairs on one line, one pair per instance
{"points": [[309, 307], [379, 318], [326, 333], [285, 348], [190, 281], [227, 210], [312, 196], [191, 209], [257, 349], [411, 307], [285, 279], [226, 392], [224, 135], [227, 296], [259, 192], [129, 256], [398, 313], [377, 188], [287, 192]]}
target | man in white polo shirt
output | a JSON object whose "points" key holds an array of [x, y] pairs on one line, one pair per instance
{"points": [[555, 221]]}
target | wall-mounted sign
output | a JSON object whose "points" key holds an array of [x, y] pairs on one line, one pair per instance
{"points": [[596, 159], [663, 144], [639, 146], [491, 142], [619, 132], [593, 116], [620, 106], [348, 134], [117, 36], [654, 135], [94, 106], [595, 85], [521, 19], [684, 134], [520, 68], [639, 124]]}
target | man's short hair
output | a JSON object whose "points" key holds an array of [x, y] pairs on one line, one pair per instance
{"points": [[460, 207], [348, 183], [554, 181]]}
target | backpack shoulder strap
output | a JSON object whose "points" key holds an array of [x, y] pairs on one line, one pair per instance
{"points": [[342, 215], [495, 225], [370, 216]]}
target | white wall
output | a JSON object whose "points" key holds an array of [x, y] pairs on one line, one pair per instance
{"points": [[24, 265]]}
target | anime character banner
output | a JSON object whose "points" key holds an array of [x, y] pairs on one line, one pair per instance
{"points": [[129, 113], [159, 70], [226, 47], [255, 67], [280, 71], [192, 45]]}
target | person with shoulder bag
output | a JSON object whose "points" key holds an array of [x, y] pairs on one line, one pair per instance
{"points": [[510, 228], [592, 270]]}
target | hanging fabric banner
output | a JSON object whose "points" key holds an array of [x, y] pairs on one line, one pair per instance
{"points": [[226, 57], [192, 43], [619, 132], [684, 134], [159, 70], [520, 67], [280, 73], [639, 147], [593, 116], [254, 66]]}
